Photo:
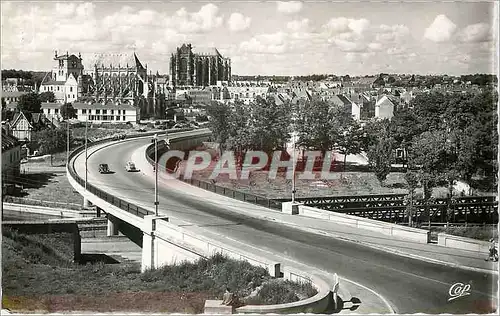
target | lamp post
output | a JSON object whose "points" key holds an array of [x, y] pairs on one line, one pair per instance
{"points": [[67, 144], [86, 156], [155, 137], [293, 168]]}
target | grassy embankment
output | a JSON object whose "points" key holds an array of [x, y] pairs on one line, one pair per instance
{"points": [[38, 275]]}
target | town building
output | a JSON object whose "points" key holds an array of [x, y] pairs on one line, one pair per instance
{"points": [[106, 113], [11, 157], [384, 108], [52, 110], [66, 78], [121, 78], [190, 66], [245, 91], [16, 85], [12, 97], [21, 127]]}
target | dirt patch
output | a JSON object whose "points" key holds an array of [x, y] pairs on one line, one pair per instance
{"points": [[263, 184]]}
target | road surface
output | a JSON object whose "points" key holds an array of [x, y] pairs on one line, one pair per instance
{"points": [[409, 285]]}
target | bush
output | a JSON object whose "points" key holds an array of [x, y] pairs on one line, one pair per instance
{"points": [[280, 292]]}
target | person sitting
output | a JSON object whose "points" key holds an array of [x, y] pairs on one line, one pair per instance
{"points": [[229, 299]]}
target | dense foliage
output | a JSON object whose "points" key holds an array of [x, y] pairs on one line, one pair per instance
{"points": [[30, 103], [261, 125]]}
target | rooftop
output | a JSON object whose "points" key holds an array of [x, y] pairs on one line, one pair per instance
{"points": [[51, 105], [8, 141], [12, 94], [114, 60], [210, 51], [111, 106], [53, 83]]}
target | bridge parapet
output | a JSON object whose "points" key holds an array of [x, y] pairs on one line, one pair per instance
{"points": [[166, 243]]}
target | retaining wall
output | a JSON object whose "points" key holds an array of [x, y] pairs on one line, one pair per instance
{"points": [[409, 233], [464, 243], [49, 227]]}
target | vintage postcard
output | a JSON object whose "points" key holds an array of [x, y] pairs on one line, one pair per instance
{"points": [[225, 157]]}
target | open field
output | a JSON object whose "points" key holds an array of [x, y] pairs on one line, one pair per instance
{"points": [[42, 182], [338, 184], [42, 278]]}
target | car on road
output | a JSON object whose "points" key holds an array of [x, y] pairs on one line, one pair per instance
{"points": [[103, 168], [130, 167]]}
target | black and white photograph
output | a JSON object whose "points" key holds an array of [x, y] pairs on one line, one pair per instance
{"points": [[249, 157]]}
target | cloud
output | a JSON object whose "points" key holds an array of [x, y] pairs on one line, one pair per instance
{"points": [[348, 46], [343, 25], [289, 7], [274, 43], [375, 46], [205, 20], [441, 30], [475, 33], [237, 22], [298, 26], [392, 33]]}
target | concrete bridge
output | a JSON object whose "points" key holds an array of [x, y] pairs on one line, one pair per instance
{"points": [[194, 223]]}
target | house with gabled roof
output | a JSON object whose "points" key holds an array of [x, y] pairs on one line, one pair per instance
{"points": [[384, 108], [21, 127]]}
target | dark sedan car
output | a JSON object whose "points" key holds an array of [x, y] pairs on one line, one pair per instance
{"points": [[103, 168]]}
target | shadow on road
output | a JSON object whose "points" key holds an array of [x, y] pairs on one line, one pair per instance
{"points": [[351, 305]]}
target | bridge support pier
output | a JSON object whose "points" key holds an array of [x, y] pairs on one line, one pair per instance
{"points": [[86, 203], [290, 208], [149, 256], [112, 226]]}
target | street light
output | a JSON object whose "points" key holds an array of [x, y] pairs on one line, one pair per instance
{"points": [[155, 137], [86, 156], [67, 145], [293, 168]]}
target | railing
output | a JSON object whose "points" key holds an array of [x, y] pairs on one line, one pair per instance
{"points": [[388, 208], [120, 203], [52, 204]]}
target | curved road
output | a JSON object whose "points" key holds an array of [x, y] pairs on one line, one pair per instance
{"points": [[411, 286]]}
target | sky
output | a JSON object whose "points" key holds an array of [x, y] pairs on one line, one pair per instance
{"points": [[261, 38]]}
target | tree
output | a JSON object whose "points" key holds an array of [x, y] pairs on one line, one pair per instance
{"points": [[350, 139], [411, 185], [219, 122], [380, 145], [49, 141], [380, 157], [68, 112], [29, 103], [313, 125], [47, 96]]}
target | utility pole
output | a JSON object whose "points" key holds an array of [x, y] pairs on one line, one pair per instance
{"points": [[86, 156], [156, 174], [293, 168], [67, 143]]}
